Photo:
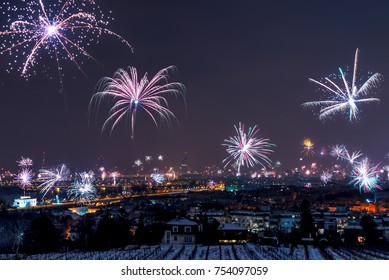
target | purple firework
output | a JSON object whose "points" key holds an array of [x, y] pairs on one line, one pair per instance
{"points": [[130, 94]]}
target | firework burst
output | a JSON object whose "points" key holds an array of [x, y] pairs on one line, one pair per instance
{"points": [[365, 176], [130, 95], [82, 188], [347, 97], [24, 177], [211, 185], [62, 30], [247, 150], [24, 162], [307, 147], [338, 151], [325, 177], [158, 177], [351, 158], [52, 177]]}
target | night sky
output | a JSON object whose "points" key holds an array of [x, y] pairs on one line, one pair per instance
{"points": [[240, 61]]}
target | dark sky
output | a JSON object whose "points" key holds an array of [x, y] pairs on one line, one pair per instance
{"points": [[241, 61]]}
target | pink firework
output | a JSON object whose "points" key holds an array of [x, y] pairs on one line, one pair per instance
{"points": [[61, 30], [24, 178], [247, 150], [24, 162], [130, 94]]}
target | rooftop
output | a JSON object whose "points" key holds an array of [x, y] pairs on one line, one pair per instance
{"points": [[181, 222]]}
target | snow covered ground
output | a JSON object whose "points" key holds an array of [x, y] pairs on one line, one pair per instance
{"points": [[215, 252]]}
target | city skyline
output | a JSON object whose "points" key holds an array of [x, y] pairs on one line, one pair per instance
{"points": [[248, 62]]}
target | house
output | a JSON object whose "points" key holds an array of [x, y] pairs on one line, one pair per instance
{"points": [[232, 233], [181, 231]]}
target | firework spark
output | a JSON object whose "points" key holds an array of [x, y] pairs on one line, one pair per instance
{"points": [[211, 185], [338, 151], [61, 30], [83, 188], [247, 150], [345, 98], [158, 177], [351, 158], [130, 95], [24, 177], [138, 162], [24, 162], [365, 176], [51, 177], [325, 177], [307, 147]]}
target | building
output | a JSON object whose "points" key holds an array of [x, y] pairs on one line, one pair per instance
{"points": [[24, 202], [283, 221], [254, 222], [181, 231], [232, 233]]}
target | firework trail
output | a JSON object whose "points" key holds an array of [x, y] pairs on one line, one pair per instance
{"points": [[83, 188], [114, 175], [24, 162], [247, 150], [60, 30], [365, 176], [307, 147], [345, 97], [325, 177], [51, 177], [130, 94]]}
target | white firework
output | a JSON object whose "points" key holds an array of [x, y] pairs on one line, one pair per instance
{"points": [[245, 149], [325, 177], [365, 176], [158, 177], [351, 158], [82, 188], [52, 177], [338, 151], [347, 96]]}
